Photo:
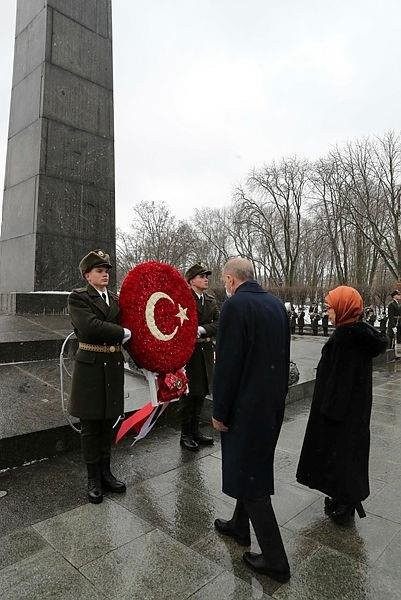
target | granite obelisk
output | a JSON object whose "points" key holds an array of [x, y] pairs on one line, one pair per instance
{"points": [[59, 184]]}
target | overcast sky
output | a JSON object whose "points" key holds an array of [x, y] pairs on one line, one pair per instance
{"points": [[206, 89]]}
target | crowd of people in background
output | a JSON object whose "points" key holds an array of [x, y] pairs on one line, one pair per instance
{"points": [[388, 319]]}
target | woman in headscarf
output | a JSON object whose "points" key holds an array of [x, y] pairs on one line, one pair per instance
{"points": [[335, 453]]}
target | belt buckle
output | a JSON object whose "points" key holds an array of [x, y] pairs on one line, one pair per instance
{"points": [[112, 349]]}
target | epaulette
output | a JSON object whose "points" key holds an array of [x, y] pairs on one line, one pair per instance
{"points": [[209, 296], [80, 290]]}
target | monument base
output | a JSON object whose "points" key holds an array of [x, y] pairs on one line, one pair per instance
{"points": [[34, 303]]}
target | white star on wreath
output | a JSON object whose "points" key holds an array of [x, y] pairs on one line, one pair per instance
{"points": [[182, 314]]}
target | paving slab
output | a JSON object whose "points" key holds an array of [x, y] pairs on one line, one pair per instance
{"points": [[365, 541], [45, 575], [19, 545], [85, 533], [152, 567], [184, 515], [158, 540], [228, 587], [330, 575]]}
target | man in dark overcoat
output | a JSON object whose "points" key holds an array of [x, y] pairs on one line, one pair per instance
{"points": [[394, 317], [199, 369], [97, 390], [249, 391]]}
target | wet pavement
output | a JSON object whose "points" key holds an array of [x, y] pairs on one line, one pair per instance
{"points": [[157, 540]]}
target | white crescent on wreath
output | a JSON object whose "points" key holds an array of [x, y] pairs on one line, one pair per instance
{"points": [[150, 316]]}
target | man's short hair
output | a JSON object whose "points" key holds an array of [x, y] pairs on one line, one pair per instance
{"points": [[395, 293], [240, 268]]}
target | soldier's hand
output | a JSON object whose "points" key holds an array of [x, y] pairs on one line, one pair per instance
{"points": [[219, 425]]}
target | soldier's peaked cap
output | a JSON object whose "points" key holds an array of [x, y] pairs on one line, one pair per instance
{"points": [[195, 270], [95, 258]]}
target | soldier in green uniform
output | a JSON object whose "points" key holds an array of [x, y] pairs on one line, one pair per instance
{"points": [[199, 369], [97, 391]]}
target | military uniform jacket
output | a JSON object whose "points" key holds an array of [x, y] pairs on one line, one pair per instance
{"points": [[200, 366], [97, 390], [393, 312]]}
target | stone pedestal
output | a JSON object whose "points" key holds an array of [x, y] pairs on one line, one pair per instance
{"points": [[59, 184]]}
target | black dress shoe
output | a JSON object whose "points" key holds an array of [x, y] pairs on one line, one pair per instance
{"points": [[258, 564], [226, 528], [188, 442], [203, 440], [95, 495]]}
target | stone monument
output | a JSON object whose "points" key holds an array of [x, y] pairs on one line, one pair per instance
{"points": [[59, 183]]}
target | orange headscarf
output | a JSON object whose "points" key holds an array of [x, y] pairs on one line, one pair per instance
{"points": [[347, 303]]}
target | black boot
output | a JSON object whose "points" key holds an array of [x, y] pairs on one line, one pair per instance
{"points": [[94, 493], [188, 442], [330, 505], [187, 439], [237, 527], [273, 559], [202, 440], [109, 482], [344, 514]]}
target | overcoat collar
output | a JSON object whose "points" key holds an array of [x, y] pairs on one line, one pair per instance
{"points": [[108, 311], [250, 286]]}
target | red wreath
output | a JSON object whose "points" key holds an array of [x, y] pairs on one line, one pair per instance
{"points": [[158, 307]]}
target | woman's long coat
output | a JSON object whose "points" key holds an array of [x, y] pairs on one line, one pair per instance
{"points": [[335, 453], [97, 389], [200, 366], [250, 387]]}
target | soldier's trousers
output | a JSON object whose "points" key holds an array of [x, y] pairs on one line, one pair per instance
{"points": [[96, 439], [191, 408]]}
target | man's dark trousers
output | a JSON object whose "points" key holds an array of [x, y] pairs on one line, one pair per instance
{"points": [[261, 514]]}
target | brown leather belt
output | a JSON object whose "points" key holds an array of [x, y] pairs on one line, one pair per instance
{"points": [[99, 348]]}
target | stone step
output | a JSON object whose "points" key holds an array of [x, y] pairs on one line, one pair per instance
{"points": [[32, 422], [25, 338]]}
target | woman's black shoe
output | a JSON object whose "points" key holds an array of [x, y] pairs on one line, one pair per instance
{"points": [[258, 564], [226, 528]]}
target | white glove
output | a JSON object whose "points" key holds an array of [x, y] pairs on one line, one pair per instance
{"points": [[127, 335], [394, 329], [201, 330]]}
